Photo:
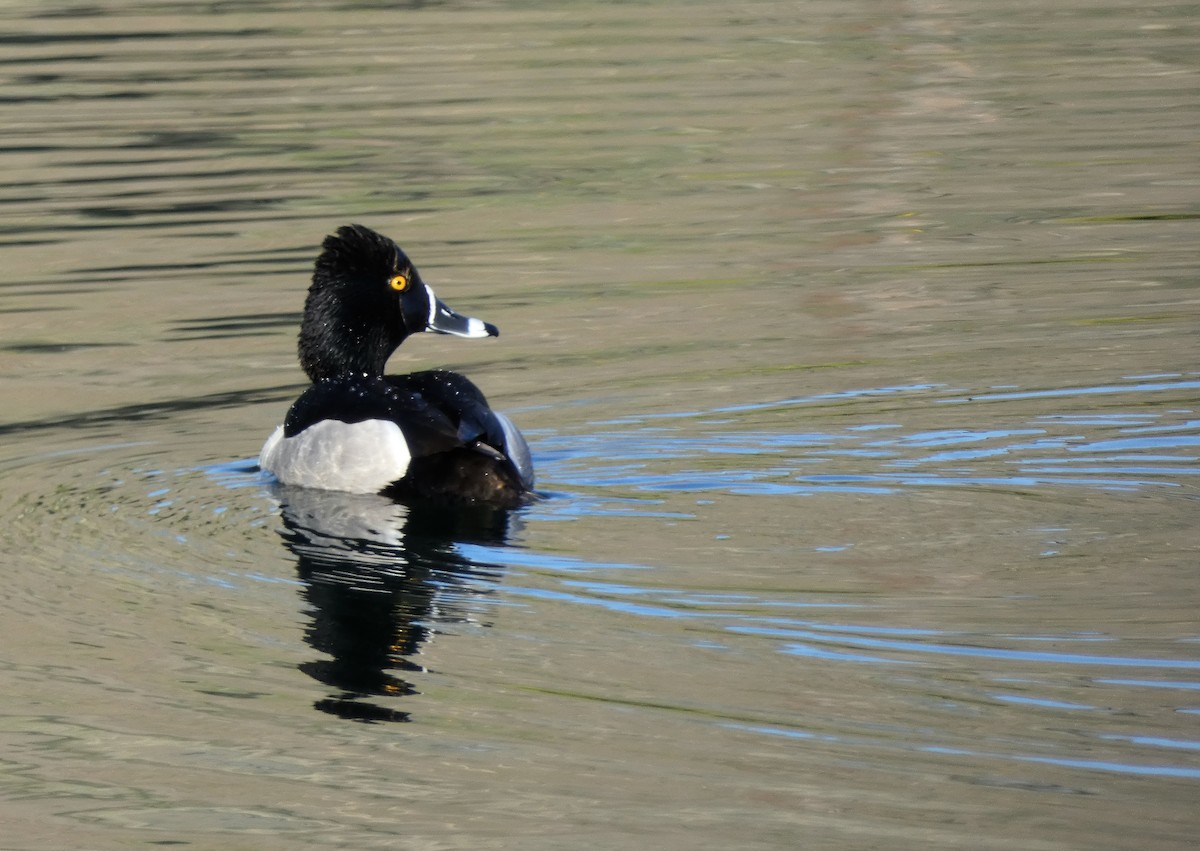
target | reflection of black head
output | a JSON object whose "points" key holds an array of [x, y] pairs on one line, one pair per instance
{"points": [[377, 574]]}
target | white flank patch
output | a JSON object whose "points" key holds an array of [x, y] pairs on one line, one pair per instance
{"points": [[360, 457]]}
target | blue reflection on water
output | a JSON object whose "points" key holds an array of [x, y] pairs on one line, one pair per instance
{"points": [[969, 650], [1073, 762], [1111, 766], [1121, 451], [1042, 702], [1156, 741], [1062, 392], [639, 466]]}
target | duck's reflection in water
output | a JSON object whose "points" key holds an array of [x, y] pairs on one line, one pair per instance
{"points": [[380, 577]]}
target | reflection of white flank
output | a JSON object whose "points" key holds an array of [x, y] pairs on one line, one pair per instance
{"points": [[334, 525], [362, 457]]}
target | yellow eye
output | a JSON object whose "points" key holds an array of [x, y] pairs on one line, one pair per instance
{"points": [[398, 282]]}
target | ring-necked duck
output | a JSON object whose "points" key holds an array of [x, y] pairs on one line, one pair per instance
{"points": [[428, 436]]}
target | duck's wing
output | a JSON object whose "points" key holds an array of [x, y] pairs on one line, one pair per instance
{"points": [[476, 426], [426, 428]]}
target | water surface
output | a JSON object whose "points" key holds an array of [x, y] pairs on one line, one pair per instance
{"points": [[855, 344]]}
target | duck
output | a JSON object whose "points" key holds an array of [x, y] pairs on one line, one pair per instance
{"points": [[426, 438]]}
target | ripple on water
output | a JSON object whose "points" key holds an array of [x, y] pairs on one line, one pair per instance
{"points": [[1126, 450], [999, 443], [120, 510]]}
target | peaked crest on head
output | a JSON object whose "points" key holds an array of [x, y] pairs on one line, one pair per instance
{"points": [[356, 252], [366, 297], [352, 322]]}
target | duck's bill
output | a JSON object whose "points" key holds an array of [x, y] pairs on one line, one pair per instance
{"points": [[443, 320]]}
